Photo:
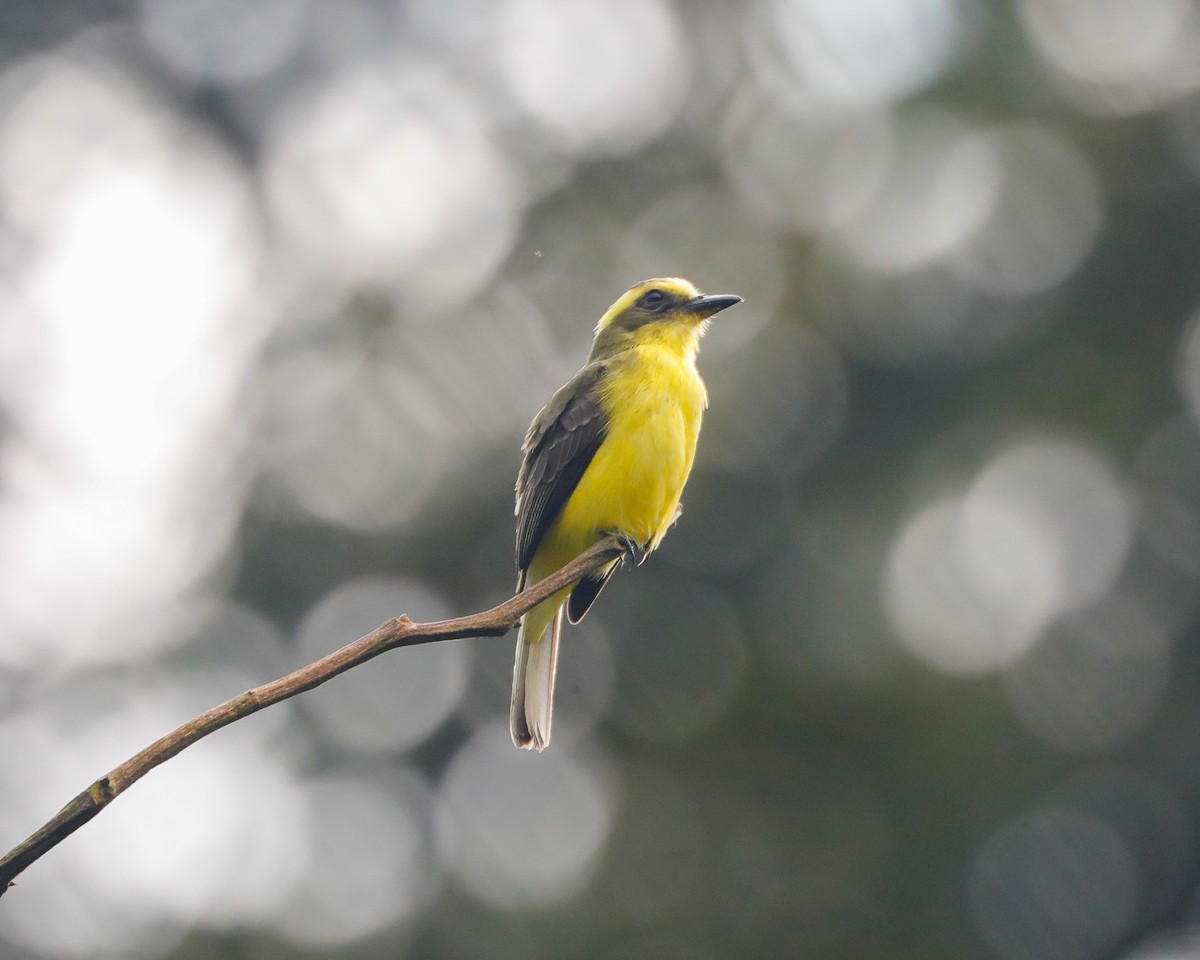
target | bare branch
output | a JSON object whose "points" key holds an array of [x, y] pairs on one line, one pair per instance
{"points": [[399, 632]]}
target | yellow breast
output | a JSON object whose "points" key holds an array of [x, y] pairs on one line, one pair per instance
{"points": [[655, 400]]}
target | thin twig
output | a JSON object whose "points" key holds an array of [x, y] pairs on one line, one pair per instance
{"points": [[399, 632]]}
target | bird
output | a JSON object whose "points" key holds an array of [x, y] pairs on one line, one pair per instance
{"points": [[607, 456]]}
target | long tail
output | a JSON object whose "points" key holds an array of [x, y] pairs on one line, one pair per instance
{"points": [[533, 675]]}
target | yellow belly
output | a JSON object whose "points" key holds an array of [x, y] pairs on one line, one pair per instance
{"points": [[655, 401]]}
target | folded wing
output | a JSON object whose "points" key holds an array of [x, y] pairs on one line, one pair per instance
{"points": [[559, 446]]}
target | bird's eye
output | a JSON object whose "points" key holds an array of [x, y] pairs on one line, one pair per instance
{"points": [[653, 298]]}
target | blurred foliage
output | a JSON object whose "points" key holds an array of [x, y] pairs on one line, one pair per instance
{"points": [[283, 281]]}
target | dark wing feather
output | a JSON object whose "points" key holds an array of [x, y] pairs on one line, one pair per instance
{"points": [[558, 448], [586, 592]]}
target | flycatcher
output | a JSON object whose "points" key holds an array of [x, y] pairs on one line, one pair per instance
{"points": [[609, 454]]}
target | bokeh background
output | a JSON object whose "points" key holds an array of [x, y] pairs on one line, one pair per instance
{"points": [[283, 281]]}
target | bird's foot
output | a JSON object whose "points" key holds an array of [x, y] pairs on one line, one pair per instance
{"points": [[633, 550]]}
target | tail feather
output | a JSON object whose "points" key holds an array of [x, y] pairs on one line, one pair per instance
{"points": [[533, 675]]}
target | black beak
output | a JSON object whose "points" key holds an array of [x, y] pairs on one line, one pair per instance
{"points": [[707, 306]]}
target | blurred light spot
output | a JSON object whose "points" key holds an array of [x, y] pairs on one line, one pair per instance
{"points": [[354, 442], [777, 403], [403, 696], [484, 364], [1074, 503], [370, 862], [713, 31], [680, 654], [1010, 559], [674, 238], [598, 76], [232, 635], [460, 28], [1045, 217], [518, 831], [1095, 679], [654, 861], [1117, 56], [826, 53], [389, 174], [801, 173], [352, 32], [892, 318], [364, 422], [224, 40], [583, 688], [930, 312], [121, 476], [1044, 528], [209, 839], [939, 609], [1153, 820], [1055, 883], [237, 857], [61, 919], [564, 282], [941, 188]]}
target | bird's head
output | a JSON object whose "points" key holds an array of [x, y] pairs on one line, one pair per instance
{"points": [[667, 308]]}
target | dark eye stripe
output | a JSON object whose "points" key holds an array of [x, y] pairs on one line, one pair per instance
{"points": [[653, 298]]}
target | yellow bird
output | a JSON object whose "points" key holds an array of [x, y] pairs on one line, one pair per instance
{"points": [[609, 454]]}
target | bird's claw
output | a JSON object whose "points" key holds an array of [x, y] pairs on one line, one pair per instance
{"points": [[633, 550]]}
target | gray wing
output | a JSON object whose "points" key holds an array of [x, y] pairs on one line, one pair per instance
{"points": [[560, 444]]}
